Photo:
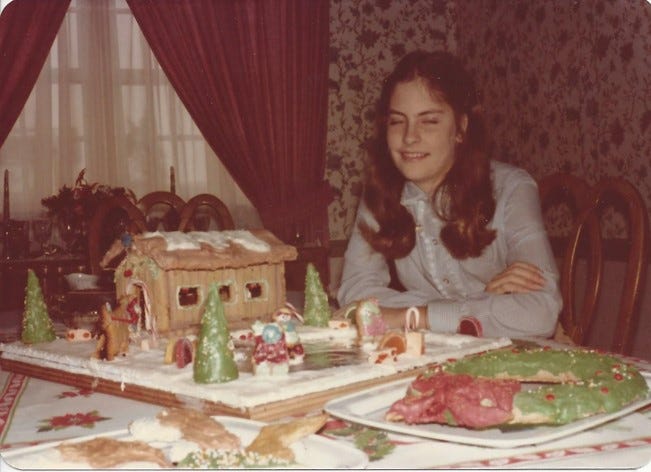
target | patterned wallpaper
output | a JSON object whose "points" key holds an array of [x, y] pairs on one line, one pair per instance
{"points": [[565, 84]]}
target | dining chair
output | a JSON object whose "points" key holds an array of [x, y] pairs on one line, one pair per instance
{"points": [[192, 213], [113, 217], [581, 267], [162, 210], [620, 194], [564, 193]]}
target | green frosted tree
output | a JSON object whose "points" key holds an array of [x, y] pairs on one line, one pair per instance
{"points": [[37, 326], [213, 361], [317, 309]]}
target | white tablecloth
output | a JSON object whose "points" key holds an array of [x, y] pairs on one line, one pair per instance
{"points": [[33, 411]]}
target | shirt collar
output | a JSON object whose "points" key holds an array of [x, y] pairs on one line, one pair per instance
{"points": [[411, 194]]}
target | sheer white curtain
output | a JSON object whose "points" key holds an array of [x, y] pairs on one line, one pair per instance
{"points": [[103, 103]]}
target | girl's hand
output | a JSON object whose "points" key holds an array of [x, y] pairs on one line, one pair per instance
{"points": [[519, 277]]}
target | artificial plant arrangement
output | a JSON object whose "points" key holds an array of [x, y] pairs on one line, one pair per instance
{"points": [[72, 208]]}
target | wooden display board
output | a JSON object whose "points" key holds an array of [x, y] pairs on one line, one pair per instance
{"points": [[266, 412]]}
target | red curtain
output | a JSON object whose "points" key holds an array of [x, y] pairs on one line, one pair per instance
{"points": [[253, 76], [27, 31]]}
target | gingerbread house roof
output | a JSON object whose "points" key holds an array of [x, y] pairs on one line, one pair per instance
{"points": [[206, 257]]}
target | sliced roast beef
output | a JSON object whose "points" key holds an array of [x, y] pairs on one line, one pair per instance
{"points": [[456, 399]]}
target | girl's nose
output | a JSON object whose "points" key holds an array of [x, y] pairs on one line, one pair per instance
{"points": [[411, 134]]}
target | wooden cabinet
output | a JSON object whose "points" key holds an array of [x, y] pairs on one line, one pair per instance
{"points": [[49, 270]]}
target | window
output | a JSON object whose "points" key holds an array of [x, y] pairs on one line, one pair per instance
{"points": [[256, 291], [188, 297], [103, 103], [227, 292]]}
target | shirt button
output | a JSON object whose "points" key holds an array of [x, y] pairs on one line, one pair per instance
{"points": [[446, 281], [435, 241]]}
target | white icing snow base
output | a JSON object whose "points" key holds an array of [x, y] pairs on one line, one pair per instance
{"points": [[146, 368], [308, 334]]}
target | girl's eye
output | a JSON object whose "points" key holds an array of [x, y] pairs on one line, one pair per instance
{"points": [[431, 121], [394, 121]]}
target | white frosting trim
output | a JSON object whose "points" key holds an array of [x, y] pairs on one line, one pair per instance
{"points": [[219, 240]]}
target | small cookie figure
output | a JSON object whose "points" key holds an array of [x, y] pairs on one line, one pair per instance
{"points": [[113, 339], [270, 354], [286, 318]]}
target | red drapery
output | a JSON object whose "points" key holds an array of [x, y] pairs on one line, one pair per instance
{"points": [[27, 31], [253, 76]]}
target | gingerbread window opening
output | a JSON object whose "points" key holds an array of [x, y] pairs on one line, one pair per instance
{"points": [[226, 292], [256, 290], [189, 297]]}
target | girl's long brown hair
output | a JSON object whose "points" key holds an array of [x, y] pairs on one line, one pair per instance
{"points": [[464, 200]]}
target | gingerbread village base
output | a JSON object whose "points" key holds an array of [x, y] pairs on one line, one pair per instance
{"points": [[142, 374], [275, 367]]}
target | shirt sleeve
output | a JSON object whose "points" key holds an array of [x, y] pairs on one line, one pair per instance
{"points": [[519, 314], [366, 272]]}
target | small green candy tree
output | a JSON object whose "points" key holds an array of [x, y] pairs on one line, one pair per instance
{"points": [[213, 361], [37, 326], [317, 309]]}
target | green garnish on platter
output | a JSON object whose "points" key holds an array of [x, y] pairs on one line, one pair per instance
{"points": [[222, 459]]}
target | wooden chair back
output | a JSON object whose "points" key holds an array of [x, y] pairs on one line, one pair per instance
{"points": [[617, 192], [112, 218], [579, 288], [162, 210], [563, 191], [213, 205]]}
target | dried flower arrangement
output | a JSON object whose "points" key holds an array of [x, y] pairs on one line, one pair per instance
{"points": [[72, 207]]}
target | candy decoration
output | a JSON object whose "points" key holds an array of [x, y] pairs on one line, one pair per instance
{"points": [[214, 362], [415, 339], [368, 319], [317, 309], [270, 353], [183, 352], [37, 326]]}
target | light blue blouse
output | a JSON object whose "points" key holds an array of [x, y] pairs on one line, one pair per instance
{"points": [[453, 289]]}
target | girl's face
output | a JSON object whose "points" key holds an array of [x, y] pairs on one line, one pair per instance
{"points": [[422, 134]]}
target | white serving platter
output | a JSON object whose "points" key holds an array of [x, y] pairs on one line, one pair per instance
{"points": [[368, 407], [312, 452]]}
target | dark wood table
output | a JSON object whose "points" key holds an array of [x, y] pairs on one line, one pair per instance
{"points": [[49, 269]]}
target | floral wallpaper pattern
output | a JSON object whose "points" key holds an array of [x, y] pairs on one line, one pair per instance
{"points": [[565, 84]]}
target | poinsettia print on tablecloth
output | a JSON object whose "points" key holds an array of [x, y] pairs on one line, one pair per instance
{"points": [[84, 420]]}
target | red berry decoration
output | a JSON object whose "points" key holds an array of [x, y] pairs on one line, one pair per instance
{"points": [[604, 389], [128, 273], [550, 397], [618, 376]]}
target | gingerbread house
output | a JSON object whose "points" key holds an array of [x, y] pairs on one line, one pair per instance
{"points": [[172, 273]]}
